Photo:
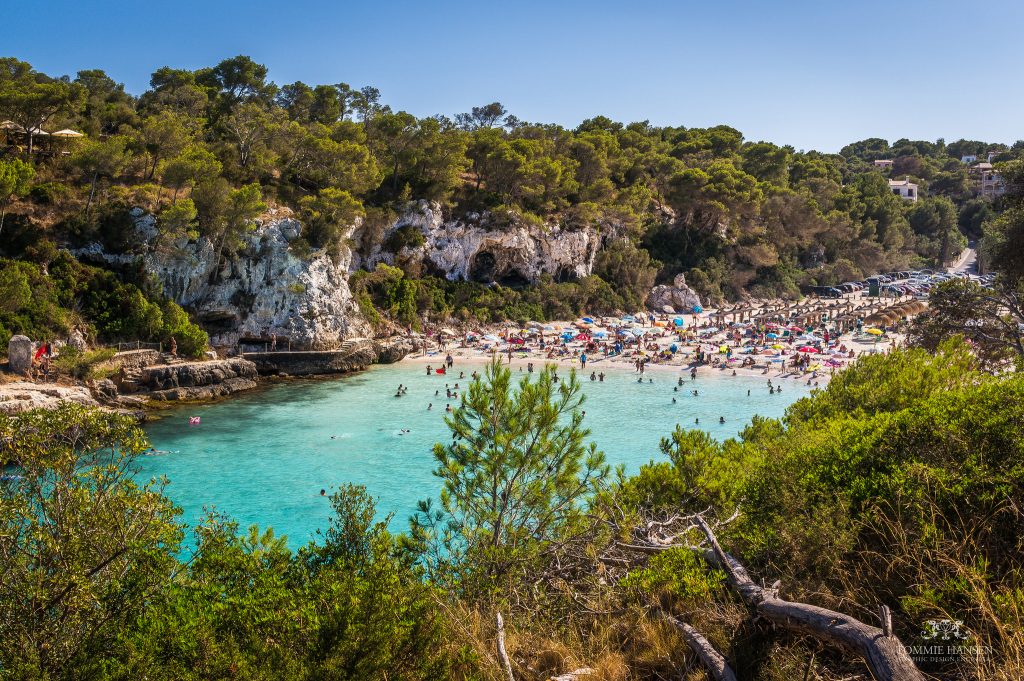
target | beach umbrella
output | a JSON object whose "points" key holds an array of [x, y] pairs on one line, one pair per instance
{"points": [[678, 322], [875, 332], [697, 309], [448, 332], [773, 336], [806, 348], [629, 318], [548, 327], [66, 133], [777, 347], [600, 334], [491, 337], [588, 320]]}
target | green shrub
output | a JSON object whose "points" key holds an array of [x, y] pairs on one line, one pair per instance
{"points": [[82, 365], [404, 237], [50, 193]]}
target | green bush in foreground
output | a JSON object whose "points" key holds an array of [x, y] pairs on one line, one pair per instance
{"points": [[93, 587]]}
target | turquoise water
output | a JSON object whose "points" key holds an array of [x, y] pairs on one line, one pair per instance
{"points": [[263, 457]]}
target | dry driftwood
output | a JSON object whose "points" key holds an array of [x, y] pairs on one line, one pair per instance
{"points": [[506, 664], [713, 660], [885, 655]]}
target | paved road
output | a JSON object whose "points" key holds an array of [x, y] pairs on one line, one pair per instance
{"points": [[967, 262]]}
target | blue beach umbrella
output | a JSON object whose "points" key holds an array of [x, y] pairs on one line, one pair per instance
{"points": [[771, 335], [697, 309], [678, 322], [588, 320]]}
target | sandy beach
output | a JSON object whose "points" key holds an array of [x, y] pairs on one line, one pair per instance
{"points": [[658, 344]]}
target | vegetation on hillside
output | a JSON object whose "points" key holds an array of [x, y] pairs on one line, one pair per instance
{"points": [[205, 150]]}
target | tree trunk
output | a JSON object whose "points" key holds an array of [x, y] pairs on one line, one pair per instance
{"points": [[92, 192], [885, 655]]}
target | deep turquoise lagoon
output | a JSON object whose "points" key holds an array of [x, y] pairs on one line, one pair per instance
{"points": [[263, 457]]}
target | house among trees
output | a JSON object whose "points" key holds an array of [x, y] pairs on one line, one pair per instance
{"points": [[968, 159], [904, 189], [883, 164], [990, 184]]}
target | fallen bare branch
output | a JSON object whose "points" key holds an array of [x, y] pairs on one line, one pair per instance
{"points": [[713, 660]]}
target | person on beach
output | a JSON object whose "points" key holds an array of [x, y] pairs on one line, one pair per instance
{"points": [[430, 370], [449, 361], [583, 360]]}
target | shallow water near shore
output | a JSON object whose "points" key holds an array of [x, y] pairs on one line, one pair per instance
{"points": [[263, 457]]}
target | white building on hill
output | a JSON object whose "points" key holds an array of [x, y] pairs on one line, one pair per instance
{"points": [[904, 189]]}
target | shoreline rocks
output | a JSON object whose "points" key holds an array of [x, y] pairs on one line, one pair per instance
{"points": [[24, 396]]}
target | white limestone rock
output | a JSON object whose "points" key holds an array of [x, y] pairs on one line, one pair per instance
{"points": [[672, 299], [478, 248], [20, 350], [264, 290], [23, 396]]}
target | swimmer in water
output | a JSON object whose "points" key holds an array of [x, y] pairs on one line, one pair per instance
{"points": [[748, 393], [323, 492], [430, 406], [697, 420], [721, 419], [448, 408], [673, 400]]}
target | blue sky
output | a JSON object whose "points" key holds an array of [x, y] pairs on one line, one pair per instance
{"points": [[811, 74]]}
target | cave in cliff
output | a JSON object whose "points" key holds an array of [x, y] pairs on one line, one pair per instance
{"points": [[483, 268]]}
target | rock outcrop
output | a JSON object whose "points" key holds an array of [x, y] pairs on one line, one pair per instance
{"points": [[190, 380], [487, 248], [20, 350], [23, 396], [672, 299], [354, 355], [264, 290]]}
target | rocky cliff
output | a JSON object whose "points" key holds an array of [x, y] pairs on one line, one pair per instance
{"points": [[268, 289], [265, 289], [487, 248]]}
